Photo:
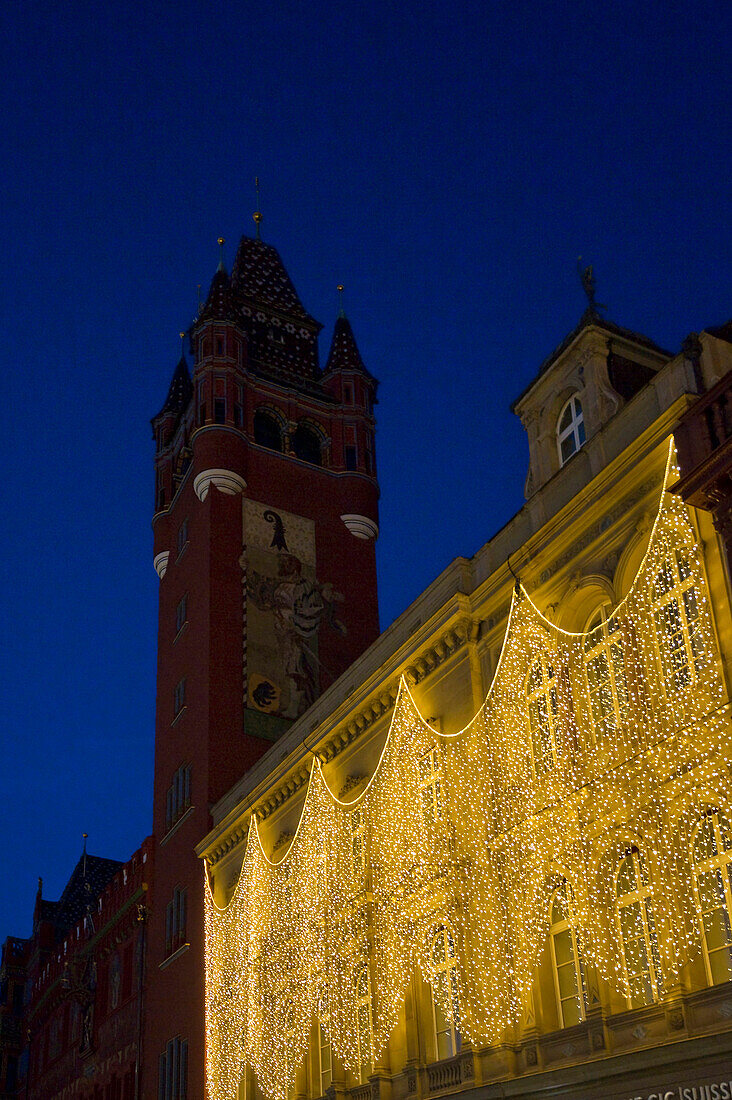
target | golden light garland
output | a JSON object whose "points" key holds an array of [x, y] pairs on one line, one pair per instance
{"points": [[587, 747]]}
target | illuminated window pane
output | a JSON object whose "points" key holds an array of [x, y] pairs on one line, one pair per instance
{"points": [[543, 711], [713, 863], [445, 1003], [676, 618], [637, 929], [569, 975]]}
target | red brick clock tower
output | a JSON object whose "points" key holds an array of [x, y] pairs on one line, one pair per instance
{"points": [[265, 523]]}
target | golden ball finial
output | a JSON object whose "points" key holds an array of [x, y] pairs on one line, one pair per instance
{"points": [[219, 241], [339, 288]]}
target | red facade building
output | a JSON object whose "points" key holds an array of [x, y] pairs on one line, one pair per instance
{"points": [[82, 981], [265, 522]]}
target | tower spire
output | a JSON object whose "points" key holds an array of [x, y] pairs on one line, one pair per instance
{"points": [[341, 310], [257, 213], [221, 242]]}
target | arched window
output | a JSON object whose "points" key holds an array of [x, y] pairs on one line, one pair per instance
{"points": [[267, 431], [364, 1020], [712, 855], [543, 705], [569, 969], [445, 1004], [306, 444], [676, 615], [637, 929], [605, 673], [570, 429]]}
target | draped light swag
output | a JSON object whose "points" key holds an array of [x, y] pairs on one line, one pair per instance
{"points": [[521, 800]]}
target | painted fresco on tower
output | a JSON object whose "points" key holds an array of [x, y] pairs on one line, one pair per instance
{"points": [[286, 609]]}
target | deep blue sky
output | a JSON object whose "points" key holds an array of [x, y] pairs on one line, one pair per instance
{"points": [[448, 162]]}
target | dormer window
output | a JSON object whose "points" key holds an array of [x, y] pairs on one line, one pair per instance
{"points": [[570, 429]]}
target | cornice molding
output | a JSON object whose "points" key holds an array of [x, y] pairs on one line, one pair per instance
{"points": [[160, 563], [226, 481]]}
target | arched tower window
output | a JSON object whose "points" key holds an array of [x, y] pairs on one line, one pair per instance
{"points": [[569, 969], [267, 432], [605, 673], [676, 615], [306, 445], [637, 929], [543, 706], [712, 855], [570, 429], [445, 1004]]}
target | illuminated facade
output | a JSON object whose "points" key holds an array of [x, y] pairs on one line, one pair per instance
{"points": [[496, 855]]}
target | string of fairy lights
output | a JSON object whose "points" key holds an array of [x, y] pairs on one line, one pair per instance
{"points": [[587, 746]]}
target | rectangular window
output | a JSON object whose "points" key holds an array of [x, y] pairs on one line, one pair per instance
{"points": [[173, 1071], [351, 458], [182, 540], [181, 614], [179, 700], [430, 782], [238, 416], [326, 1062], [364, 1020], [178, 798], [220, 410], [175, 921], [348, 393], [219, 345]]}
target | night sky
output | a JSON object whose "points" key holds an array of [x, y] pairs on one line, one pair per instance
{"points": [[448, 162]]}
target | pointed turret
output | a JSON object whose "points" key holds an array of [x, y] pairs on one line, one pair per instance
{"points": [[218, 305], [344, 353], [179, 391]]}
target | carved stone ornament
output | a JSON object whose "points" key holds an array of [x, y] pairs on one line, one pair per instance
{"points": [[226, 481], [531, 1056], [468, 1068]]}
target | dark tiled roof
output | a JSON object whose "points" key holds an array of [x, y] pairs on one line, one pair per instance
{"points": [[590, 318], [722, 332], [179, 391], [260, 277], [219, 305], [89, 877], [344, 353]]}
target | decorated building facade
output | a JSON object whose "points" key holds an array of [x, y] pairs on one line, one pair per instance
{"points": [[495, 857]]}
